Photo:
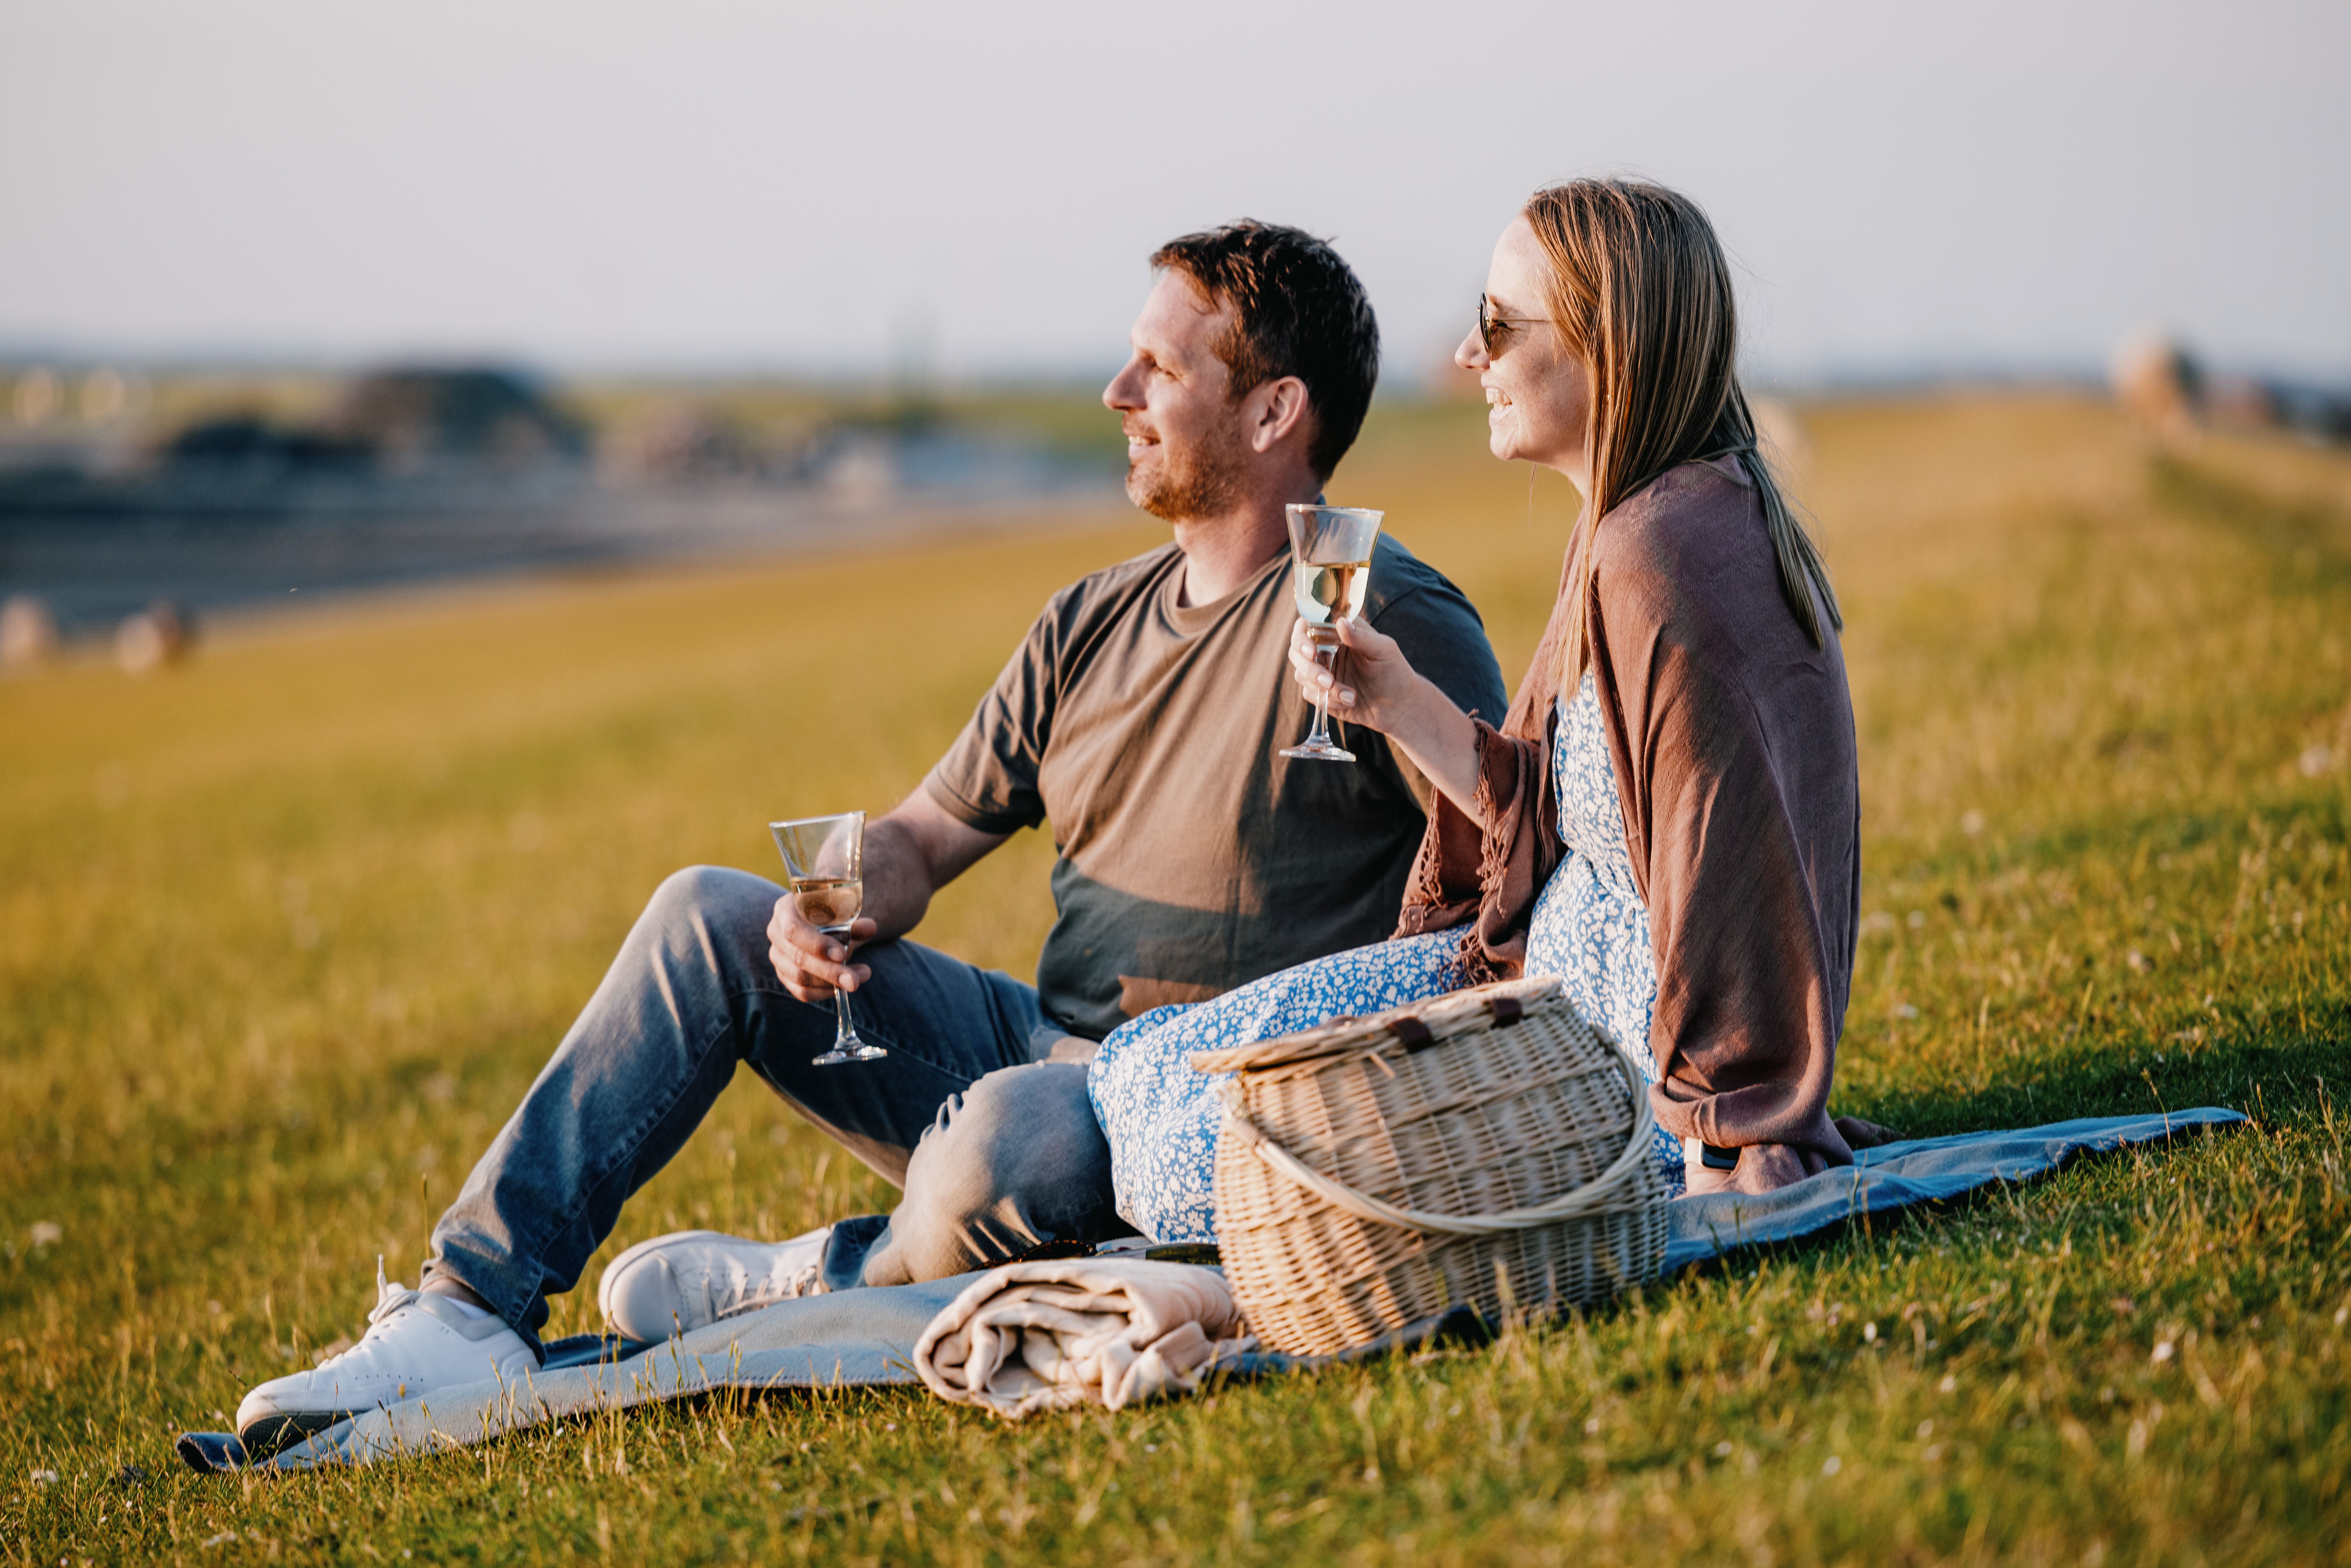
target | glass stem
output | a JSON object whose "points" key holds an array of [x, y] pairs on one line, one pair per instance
{"points": [[841, 1005], [1328, 657]]}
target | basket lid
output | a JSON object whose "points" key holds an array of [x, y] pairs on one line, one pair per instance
{"points": [[1414, 1025]]}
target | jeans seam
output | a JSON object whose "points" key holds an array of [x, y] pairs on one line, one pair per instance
{"points": [[632, 1143], [537, 1238]]}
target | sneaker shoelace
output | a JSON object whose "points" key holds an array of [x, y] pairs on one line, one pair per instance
{"points": [[389, 1297], [755, 1292]]}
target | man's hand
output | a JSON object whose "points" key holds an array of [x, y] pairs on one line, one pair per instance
{"points": [[811, 965], [910, 854]]}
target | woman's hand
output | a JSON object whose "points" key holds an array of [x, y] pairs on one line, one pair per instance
{"points": [[1373, 683], [1377, 687]]}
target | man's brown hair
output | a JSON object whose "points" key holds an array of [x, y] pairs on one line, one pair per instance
{"points": [[1298, 310]]}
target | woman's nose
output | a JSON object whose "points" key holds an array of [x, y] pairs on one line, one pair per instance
{"points": [[1470, 354]]}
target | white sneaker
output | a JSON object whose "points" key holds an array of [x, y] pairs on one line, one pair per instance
{"points": [[416, 1342], [691, 1279]]}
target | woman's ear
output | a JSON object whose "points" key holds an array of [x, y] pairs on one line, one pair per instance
{"points": [[1277, 409]]}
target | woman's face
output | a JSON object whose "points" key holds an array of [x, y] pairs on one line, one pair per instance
{"points": [[1537, 392]]}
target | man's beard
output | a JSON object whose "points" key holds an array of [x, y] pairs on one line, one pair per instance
{"points": [[1201, 481]]}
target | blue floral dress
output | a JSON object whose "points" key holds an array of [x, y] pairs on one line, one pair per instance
{"points": [[1590, 928]]}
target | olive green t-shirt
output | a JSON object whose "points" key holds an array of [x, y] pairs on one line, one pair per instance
{"points": [[1192, 858]]}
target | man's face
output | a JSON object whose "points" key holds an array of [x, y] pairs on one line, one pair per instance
{"points": [[1186, 450]]}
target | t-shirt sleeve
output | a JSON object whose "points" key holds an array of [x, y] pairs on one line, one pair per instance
{"points": [[988, 779], [1441, 634]]}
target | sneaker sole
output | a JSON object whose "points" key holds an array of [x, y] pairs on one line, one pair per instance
{"points": [[271, 1432]]}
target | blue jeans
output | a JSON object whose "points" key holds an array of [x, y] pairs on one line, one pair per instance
{"points": [[997, 1150]]}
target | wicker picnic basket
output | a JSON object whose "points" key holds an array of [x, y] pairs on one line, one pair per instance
{"points": [[1484, 1148]]}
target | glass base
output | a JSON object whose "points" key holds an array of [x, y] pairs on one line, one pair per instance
{"points": [[1322, 751], [849, 1049]]}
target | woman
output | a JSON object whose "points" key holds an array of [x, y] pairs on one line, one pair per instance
{"points": [[1668, 817]]}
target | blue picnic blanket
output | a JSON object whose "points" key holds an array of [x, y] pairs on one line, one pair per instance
{"points": [[867, 1337], [1919, 1170]]}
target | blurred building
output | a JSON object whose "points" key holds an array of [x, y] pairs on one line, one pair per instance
{"points": [[418, 417], [248, 444], [678, 441]]}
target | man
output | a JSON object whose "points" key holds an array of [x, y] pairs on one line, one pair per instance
{"points": [[1142, 717]]}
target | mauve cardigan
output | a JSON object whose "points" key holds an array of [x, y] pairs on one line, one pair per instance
{"points": [[1732, 738]]}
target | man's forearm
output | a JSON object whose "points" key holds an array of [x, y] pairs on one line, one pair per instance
{"points": [[899, 878]]}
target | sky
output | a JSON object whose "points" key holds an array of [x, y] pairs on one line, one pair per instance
{"points": [[972, 191]]}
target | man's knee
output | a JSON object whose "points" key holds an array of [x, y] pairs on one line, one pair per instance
{"points": [[1020, 1140], [709, 895]]}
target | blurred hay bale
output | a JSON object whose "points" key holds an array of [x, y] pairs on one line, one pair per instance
{"points": [[161, 634], [2160, 385], [28, 632], [40, 393]]}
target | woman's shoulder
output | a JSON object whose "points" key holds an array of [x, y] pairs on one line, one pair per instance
{"points": [[1693, 515]]}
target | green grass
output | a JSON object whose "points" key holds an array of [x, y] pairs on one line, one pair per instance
{"points": [[284, 934]]}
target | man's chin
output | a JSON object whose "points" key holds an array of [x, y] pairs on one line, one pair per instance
{"points": [[1177, 493], [1159, 508], [1150, 493]]}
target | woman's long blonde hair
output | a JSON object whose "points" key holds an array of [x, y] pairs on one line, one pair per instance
{"points": [[1641, 292]]}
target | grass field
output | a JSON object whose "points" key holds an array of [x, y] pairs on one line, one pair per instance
{"points": [[284, 934]]}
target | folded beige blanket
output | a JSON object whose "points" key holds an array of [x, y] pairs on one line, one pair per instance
{"points": [[1080, 1331]]}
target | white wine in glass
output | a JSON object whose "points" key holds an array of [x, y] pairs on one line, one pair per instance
{"points": [[1331, 575], [825, 859], [830, 903]]}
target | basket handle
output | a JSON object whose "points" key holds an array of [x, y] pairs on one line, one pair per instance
{"points": [[1593, 1198]]}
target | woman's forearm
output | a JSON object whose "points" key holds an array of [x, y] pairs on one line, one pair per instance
{"points": [[1382, 692], [1441, 741]]}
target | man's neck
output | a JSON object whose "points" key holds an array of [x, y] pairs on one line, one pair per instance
{"points": [[1220, 553]]}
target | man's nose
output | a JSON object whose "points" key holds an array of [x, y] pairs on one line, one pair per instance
{"points": [[1120, 393]]}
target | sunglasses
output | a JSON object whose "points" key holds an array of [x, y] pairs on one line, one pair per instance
{"points": [[1487, 323]]}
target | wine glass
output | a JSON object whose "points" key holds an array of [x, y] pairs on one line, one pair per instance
{"points": [[1330, 571], [825, 857]]}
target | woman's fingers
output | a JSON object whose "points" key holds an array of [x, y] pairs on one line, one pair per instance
{"points": [[1301, 644], [1313, 664], [1302, 660], [1376, 666], [1315, 678], [1368, 643]]}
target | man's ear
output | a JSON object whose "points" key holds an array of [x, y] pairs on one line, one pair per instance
{"points": [[1277, 410]]}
